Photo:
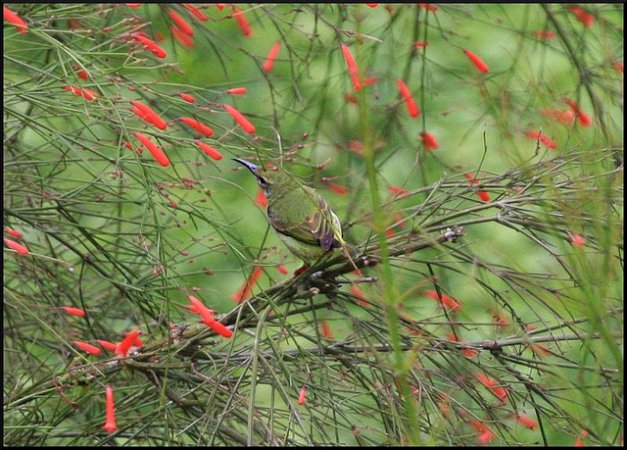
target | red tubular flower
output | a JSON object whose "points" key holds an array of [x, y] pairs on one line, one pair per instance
{"points": [[526, 421], [199, 308], [325, 330], [240, 119], [244, 291], [19, 248], [261, 199], [428, 7], [541, 137], [88, 348], [80, 72], [238, 15], [184, 39], [500, 320], [16, 234], [339, 190], [429, 141], [180, 22], [467, 352], [618, 66], [107, 345], [109, 425], [478, 62], [188, 98], [74, 311], [444, 300], [584, 119], [274, 51], [154, 149], [237, 91], [353, 70], [360, 295], [356, 291], [403, 89], [87, 94], [196, 125], [397, 191], [372, 5], [191, 308], [15, 20], [220, 6], [577, 240], [150, 45], [472, 179], [412, 108], [302, 395], [123, 347], [492, 384], [146, 113], [485, 435], [196, 12], [579, 441], [208, 318], [420, 44], [219, 328], [582, 15], [281, 268], [209, 150], [544, 34], [566, 117], [444, 407], [484, 196]]}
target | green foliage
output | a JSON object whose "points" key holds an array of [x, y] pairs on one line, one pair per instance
{"points": [[490, 284]]}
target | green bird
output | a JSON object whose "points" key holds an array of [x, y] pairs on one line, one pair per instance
{"points": [[301, 217]]}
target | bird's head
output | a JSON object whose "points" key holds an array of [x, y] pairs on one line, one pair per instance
{"points": [[267, 179]]}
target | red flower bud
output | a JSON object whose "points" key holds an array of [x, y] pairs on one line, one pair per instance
{"points": [[209, 150], [180, 22], [274, 51], [240, 119], [188, 98], [196, 12], [478, 62], [302, 395], [196, 125], [14, 19], [19, 248], [109, 425], [154, 149], [88, 348], [74, 311], [237, 91]]}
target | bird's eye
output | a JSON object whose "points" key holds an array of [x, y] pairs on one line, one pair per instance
{"points": [[262, 181]]}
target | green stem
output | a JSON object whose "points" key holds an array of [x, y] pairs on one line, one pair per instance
{"points": [[411, 425]]}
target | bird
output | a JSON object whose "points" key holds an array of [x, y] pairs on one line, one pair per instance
{"points": [[298, 213]]}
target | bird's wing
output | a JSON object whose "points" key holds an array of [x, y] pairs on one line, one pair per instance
{"points": [[321, 227]]}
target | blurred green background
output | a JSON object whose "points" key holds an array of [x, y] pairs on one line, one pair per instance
{"points": [[114, 233]]}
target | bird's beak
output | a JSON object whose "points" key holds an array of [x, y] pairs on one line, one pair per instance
{"points": [[250, 166]]}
